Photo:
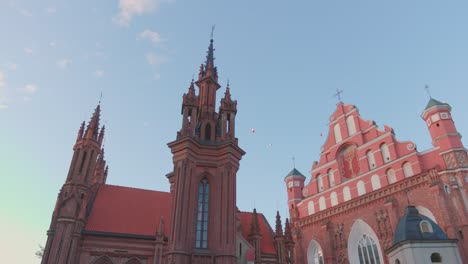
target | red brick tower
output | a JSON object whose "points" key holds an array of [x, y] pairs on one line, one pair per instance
{"points": [[203, 184], [87, 171]]}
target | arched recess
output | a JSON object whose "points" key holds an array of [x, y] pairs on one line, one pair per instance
{"points": [[361, 231], [351, 126], [314, 253], [311, 207], [407, 169], [103, 260], [346, 194], [133, 261], [391, 177], [337, 132], [333, 199], [361, 188], [375, 180], [322, 203], [426, 212]]}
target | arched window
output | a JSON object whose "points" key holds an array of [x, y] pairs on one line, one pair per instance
{"points": [[320, 182], [314, 253], [363, 244], [208, 132], [202, 217], [407, 169], [346, 194], [331, 178], [334, 198], [375, 180], [311, 207], [370, 160], [361, 188], [436, 258], [337, 132], [322, 204], [350, 125], [391, 177], [385, 153], [367, 251], [425, 227]]}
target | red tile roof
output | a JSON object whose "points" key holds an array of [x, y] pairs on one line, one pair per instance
{"points": [[127, 210], [268, 245]]}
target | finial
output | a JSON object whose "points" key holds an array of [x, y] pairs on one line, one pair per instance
{"points": [[212, 31], [228, 82], [100, 98], [426, 87], [294, 161], [193, 74], [338, 94]]}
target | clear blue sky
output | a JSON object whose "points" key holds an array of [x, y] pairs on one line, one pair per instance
{"points": [[284, 61]]}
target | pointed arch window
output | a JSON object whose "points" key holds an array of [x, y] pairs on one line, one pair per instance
{"points": [[202, 216], [367, 250]]}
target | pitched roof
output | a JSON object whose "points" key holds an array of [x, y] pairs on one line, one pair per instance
{"points": [[268, 246], [127, 210], [433, 102], [295, 172]]}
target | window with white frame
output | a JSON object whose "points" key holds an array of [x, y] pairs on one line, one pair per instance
{"points": [[367, 251]]}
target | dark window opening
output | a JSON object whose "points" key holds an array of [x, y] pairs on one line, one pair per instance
{"points": [[189, 117], [240, 249], [436, 258], [437, 124], [208, 132], [82, 162], [202, 216]]}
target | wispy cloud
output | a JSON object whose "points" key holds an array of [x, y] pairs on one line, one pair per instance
{"points": [[63, 63], [152, 36], [25, 12], [130, 8], [51, 10], [28, 50], [98, 73], [30, 89], [155, 59]]}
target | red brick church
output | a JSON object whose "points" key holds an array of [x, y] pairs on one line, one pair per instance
{"points": [[196, 222], [370, 199], [374, 199]]}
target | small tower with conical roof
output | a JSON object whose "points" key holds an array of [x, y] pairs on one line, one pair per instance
{"points": [[294, 184]]}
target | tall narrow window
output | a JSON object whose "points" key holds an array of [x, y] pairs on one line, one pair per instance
{"points": [[208, 132], [350, 125], [367, 251], [331, 178], [407, 169], [320, 183], [375, 180], [370, 159], [333, 199], [322, 204], [391, 176], [311, 207], [385, 153], [346, 194], [202, 217], [337, 132]]}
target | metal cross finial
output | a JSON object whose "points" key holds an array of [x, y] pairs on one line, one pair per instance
{"points": [[212, 30], [427, 91], [100, 98], [338, 94], [294, 161]]}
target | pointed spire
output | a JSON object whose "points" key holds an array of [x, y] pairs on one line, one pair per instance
{"points": [[101, 135], [81, 131], [209, 69], [254, 227], [287, 230], [93, 127], [191, 92], [227, 94], [279, 227]]}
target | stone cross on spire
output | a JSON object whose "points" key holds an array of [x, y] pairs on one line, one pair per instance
{"points": [[338, 94]]}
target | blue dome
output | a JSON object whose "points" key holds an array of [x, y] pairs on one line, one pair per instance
{"points": [[409, 227]]}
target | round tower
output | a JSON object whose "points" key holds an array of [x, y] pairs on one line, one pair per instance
{"points": [[441, 126], [294, 184]]}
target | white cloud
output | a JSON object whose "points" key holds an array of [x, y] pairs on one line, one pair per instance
{"points": [[25, 12], [51, 10], [99, 73], [130, 8], [30, 88], [152, 36], [64, 63], [28, 50], [155, 59]]}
